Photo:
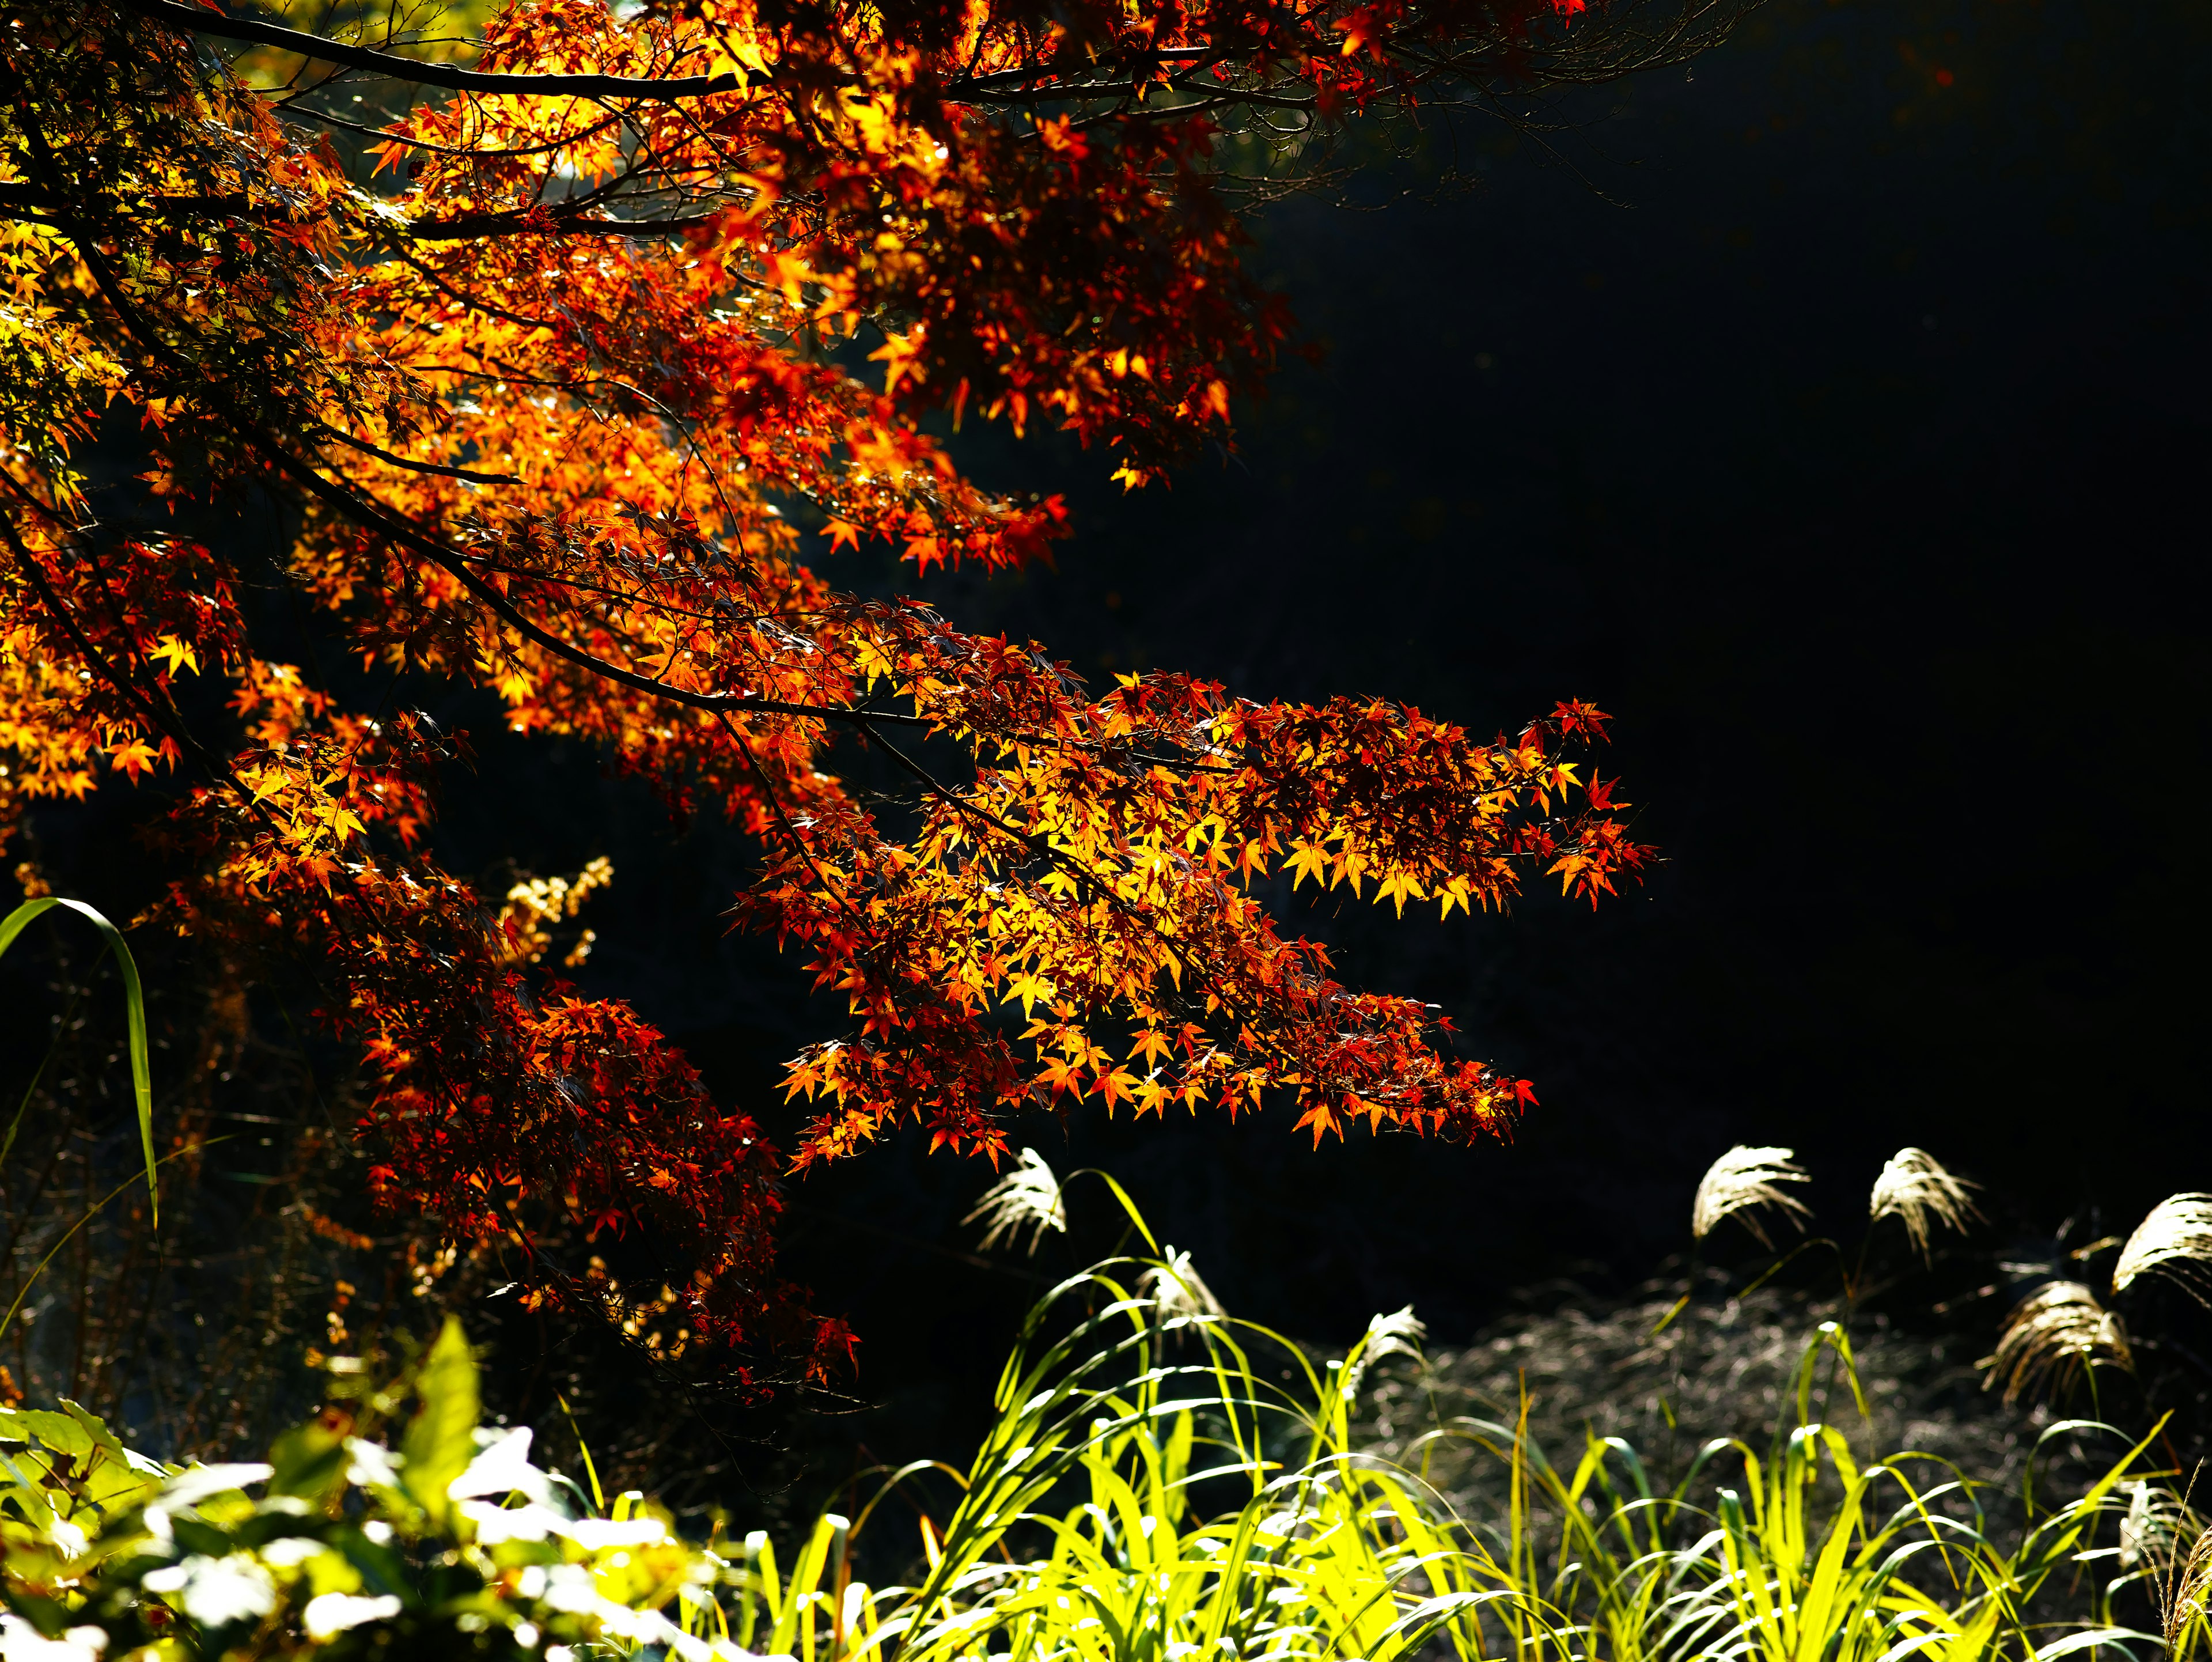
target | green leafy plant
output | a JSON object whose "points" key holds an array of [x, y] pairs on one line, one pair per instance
{"points": [[452, 1543]]}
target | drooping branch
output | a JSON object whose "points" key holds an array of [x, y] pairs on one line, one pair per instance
{"points": [[449, 76]]}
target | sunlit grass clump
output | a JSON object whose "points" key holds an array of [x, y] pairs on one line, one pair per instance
{"points": [[1162, 1483]]}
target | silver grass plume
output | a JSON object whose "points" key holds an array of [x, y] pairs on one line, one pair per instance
{"points": [[2185, 1597], [2176, 1240], [1743, 1179], [1027, 1197], [2055, 1335], [2151, 1529], [1915, 1187], [1396, 1335], [1177, 1291]]}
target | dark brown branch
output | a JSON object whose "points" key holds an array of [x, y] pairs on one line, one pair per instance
{"points": [[1037, 843], [783, 819], [442, 472], [546, 222], [449, 76], [1023, 75], [366, 511], [470, 300], [591, 131]]}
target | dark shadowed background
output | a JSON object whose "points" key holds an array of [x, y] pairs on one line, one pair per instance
{"points": [[1835, 414]]}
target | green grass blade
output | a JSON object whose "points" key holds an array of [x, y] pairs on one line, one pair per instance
{"points": [[134, 1003]]}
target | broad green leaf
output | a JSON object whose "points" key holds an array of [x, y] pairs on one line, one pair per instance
{"points": [[442, 1439]]}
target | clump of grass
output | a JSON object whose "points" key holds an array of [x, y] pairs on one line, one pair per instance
{"points": [[1743, 1181], [2056, 1336], [1135, 1501], [1178, 1289], [1399, 1333], [2185, 1599], [2175, 1241], [2151, 1531], [1027, 1198], [1913, 1186]]}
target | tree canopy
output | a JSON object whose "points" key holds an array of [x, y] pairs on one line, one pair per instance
{"points": [[565, 368]]}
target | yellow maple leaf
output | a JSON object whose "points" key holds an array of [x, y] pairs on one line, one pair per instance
{"points": [[1028, 988], [174, 652], [1307, 859], [1400, 886]]}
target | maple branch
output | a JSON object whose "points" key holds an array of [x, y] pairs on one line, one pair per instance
{"points": [[172, 723], [313, 114], [367, 448], [359, 506], [1035, 842], [546, 221], [783, 819], [365, 510], [197, 22], [471, 301], [35, 575]]}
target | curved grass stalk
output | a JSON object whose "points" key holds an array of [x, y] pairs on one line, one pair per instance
{"points": [[134, 1010], [86, 1217]]}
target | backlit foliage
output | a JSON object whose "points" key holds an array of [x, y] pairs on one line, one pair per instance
{"points": [[557, 378]]}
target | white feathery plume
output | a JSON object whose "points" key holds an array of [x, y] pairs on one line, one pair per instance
{"points": [[2151, 1529], [1915, 1187], [1396, 1335], [2055, 1333], [1027, 1197], [1177, 1291], [2176, 1240], [1741, 1179]]}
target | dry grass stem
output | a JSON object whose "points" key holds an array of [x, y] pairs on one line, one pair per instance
{"points": [[2176, 1240], [2054, 1336], [1914, 1186], [2186, 1600], [1027, 1197], [1742, 1180]]}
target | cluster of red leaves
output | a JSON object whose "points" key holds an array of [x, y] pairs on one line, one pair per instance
{"points": [[548, 383], [502, 1104]]}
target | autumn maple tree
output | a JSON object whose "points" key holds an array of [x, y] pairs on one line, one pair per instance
{"points": [[568, 350]]}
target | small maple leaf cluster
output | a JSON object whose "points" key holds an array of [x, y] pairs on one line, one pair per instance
{"points": [[1100, 872], [541, 373]]}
